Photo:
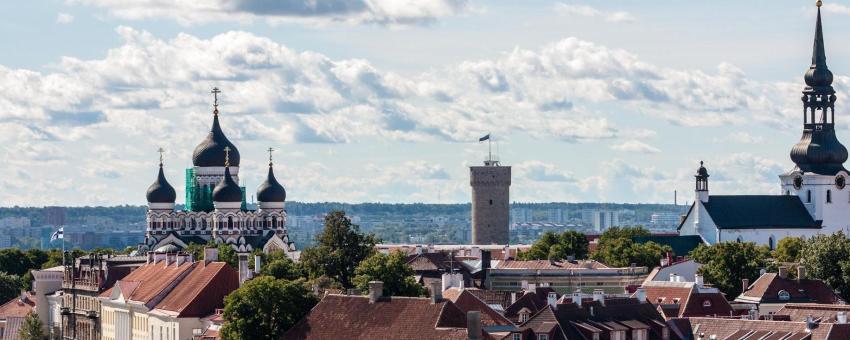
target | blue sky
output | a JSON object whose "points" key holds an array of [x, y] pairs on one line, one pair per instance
{"points": [[383, 100]]}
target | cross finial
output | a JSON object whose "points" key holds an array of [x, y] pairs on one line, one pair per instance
{"points": [[215, 91], [161, 151], [700, 163], [226, 156], [270, 150]]}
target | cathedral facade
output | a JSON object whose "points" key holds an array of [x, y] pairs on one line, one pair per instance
{"points": [[215, 209], [813, 198]]}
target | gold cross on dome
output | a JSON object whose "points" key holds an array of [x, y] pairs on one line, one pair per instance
{"points": [[161, 151], [226, 156], [270, 150]]}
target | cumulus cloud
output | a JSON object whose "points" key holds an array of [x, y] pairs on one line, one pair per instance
{"points": [[64, 18], [541, 172], [188, 12], [742, 137], [588, 11], [635, 146]]}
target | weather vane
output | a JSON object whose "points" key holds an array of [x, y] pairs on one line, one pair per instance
{"points": [[226, 156], [215, 91], [270, 150], [161, 151]]}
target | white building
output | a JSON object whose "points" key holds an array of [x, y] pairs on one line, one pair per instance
{"points": [[813, 197]]}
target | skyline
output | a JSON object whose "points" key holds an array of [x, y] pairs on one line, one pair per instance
{"points": [[609, 112]]}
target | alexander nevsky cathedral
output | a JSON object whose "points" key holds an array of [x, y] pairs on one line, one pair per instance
{"points": [[216, 208]]}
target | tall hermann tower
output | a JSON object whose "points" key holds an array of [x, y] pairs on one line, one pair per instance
{"points": [[490, 202]]}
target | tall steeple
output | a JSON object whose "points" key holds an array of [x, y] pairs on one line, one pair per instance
{"points": [[819, 150]]}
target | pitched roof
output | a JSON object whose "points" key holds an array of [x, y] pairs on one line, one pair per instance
{"points": [[434, 262], [201, 291], [688, 299], [726, 328], [149, 281], [681, 245], [546, 264], [20, 306], [759, 211], [819, 312], [466, 301], [353, 317], [529, 301], [767, 287]]}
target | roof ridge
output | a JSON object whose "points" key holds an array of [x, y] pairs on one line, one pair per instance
{"points": [[206, 282]]}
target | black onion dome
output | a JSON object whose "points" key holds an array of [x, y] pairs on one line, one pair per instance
{"points": [[227, 190], [701, 172], [819, 152], [211, 151], [271, 190], [161, 191]]}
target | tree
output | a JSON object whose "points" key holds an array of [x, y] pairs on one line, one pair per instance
{"points": [[557, 246], [227, 254], [10, 286], [339, 249], [827, 257], [14, 261], [32, 328], [788, 249], [616, 248], [726, 264], [280, 266], [393, 271], [265, 308]]}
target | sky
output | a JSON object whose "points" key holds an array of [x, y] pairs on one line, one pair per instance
{"points": [[384, 100]]}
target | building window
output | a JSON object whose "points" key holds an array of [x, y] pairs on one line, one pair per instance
{"points": [[517, 336], [543, 337], [808, 196], [491, 202], [829, 196], [706, 303]]}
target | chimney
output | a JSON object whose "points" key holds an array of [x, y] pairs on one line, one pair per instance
{"points": [[672, 277], [473, 325], [210, 254], [745, 283], [376, 289], [532, 287], [810, 324], [698, 280], [841, 317], [243, 268], [801, 273], [258, 264], [640, 294], [552, 299], [576, 297], [506, 253], [450, 280], [783, 272], [418, 249], [150, 257], [599, 296], [436, 292]]}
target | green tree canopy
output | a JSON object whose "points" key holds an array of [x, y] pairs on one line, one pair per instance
{"points": [[10, 286], [14, 261], [788, 249], [338, 250], [557, 246], [827, 257], [726, 264], [393, 270], [32, 328], [265, 308], [279, 266], [616, 248]]}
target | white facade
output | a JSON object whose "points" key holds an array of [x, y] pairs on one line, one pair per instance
{"points": [[825, 200]]}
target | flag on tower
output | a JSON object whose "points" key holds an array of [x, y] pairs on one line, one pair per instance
{"points": [[58, 234], [487, 137]]}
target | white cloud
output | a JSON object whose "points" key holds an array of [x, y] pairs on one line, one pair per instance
{"points": [[541, 172], [189, 12], [742, 137], [635, 146], [64, 18], [588, 11], [836, 8]]}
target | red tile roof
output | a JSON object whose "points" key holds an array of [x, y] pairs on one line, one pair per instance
{"points": [[819, 312], [466, 301], [687, 299], [725, 328], [353, 317], [150, 281], [767, 287], [18, 307], [546, 264], [201, 291]]}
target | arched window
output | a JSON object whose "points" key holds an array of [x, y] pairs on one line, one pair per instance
{"points": [[784, 295], [230, 222], [274, 221], [808, 196], [829, 196], [771, 242]]}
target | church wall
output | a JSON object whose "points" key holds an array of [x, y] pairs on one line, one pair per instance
{"points": [[762, 236], [836, 214], [705, 228]]}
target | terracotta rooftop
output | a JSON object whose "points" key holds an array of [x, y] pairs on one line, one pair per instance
{"points": [[466, 301], [546, 264], [201, 291], [20, 306], [726, 328], [353, 317], [146, 283], [767, 287], [819, 312], [687, 299]]}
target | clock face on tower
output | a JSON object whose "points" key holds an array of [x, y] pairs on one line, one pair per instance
{"points": [[840, 182], [798, 182]]}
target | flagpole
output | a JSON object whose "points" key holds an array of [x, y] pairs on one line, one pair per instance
{"points": [[489, 148]]}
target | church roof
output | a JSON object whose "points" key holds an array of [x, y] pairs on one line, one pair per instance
{"points": [[211, 150], [161, 191], [271, 190], [758, 211], [227, 189]]}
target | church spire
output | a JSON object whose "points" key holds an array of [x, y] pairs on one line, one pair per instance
{"points": [[819, 75]]}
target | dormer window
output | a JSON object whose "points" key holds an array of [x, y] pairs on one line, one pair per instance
{"points": [[784, 295], [523, 316], [706, 304]]}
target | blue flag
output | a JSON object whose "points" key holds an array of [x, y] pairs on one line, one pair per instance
{"points": [[484, 138]]}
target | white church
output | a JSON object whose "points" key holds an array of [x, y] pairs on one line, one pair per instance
{"points": [[813, 196]]}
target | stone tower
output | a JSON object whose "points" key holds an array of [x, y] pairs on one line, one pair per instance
{"points": [[490, 202]]}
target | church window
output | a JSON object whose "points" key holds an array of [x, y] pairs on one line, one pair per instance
{"points": [[274, 221], [808, 196], [829, 196], [491, 202], [230, 222]]}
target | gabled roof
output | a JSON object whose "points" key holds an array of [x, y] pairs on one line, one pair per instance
{"points": [[758, 211], [466, 301], [150, 281], [20, 306], [726, 328], [353, 317], [687, 299], [681, 244], [435, 262], [201, 291], [767, 287], [529, 301], [818, 311]]}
